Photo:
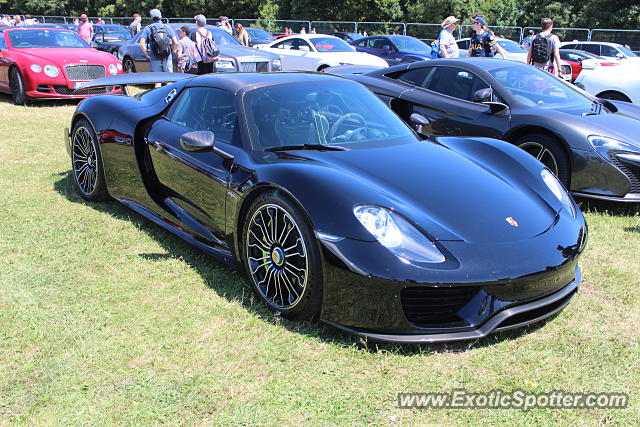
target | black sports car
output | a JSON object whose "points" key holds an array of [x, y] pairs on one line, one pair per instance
{"points": [[333, 206], [110, 41], [591, 144]]}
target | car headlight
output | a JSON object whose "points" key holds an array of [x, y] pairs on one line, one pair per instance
{"points": [[396, 234], [35, 68], [276, 64], [599, 142], [51, 70], [225, 65], [113, 69], [558, 190]]}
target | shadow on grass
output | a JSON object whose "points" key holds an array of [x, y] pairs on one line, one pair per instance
{"points": [[632, 229], [610, 208], [39, 103], [230, 284]]}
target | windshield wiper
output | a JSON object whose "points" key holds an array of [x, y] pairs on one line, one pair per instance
{"points": [[317, 147]]}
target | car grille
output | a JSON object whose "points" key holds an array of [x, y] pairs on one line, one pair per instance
{"points": [[632, 172], [63, 90], [84, 72], [432, 307], [253, 67]]}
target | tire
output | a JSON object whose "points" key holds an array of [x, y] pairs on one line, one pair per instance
{"points": [[281, 257], [128, 66], [549, 152], [615, 96], [18, 91], [86, 163]]}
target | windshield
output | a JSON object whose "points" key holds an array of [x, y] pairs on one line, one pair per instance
{"points": [[115, 36], [627, 51], [259, 34], [409, 43], [511, 46], [45, 38], [338, 113], [536, 88], [331, 44]]}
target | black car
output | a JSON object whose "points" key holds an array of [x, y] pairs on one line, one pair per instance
{"points": [[104, 28], [591, 144], [258, 36], [348, 37], [394, 49], [110, 41], [332, 205]]}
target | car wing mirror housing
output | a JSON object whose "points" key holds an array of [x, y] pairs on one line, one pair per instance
{"points": [[496, 107], [419, 122], [199, 140], [483, 95]]}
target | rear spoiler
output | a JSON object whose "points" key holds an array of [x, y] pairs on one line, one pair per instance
{"points": [[123, 80]]}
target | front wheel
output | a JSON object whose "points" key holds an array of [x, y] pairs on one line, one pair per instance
{"points": [[282, 258], [18, 91], [549, 152], [128, 66], [86, 163]]}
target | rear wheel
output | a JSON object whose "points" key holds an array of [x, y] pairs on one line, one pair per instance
{"points": [[18, 91], [86, 163], [128, 66], [282, 258], [549, 152], [613, 95]]}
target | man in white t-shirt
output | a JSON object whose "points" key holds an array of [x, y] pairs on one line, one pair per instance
{"points": [[544, 52], [448, 45]]}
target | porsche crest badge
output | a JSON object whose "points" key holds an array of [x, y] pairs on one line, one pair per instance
{"points": [[512, 222]]}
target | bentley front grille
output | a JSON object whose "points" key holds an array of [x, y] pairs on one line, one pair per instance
{"points": [[254, 67], [84, 72]]}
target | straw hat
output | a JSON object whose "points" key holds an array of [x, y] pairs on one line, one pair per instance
{"points": [[450, 20]]}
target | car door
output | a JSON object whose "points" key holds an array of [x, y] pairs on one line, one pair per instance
{"points": [[294, 54], [444, 95], [194, 184], [4, 63]]}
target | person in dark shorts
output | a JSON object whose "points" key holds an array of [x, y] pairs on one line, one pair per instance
{"points": [[483, 42]]}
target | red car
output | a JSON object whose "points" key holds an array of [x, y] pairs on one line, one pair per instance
{"points": [[50, 63]]}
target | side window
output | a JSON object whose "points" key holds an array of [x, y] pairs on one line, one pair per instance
{"points": [[362, 43], [417, 77], [463, 44], [379, 43], [292, 44], [606, 50], [592, 48], [570, 46], [455, 82], [205, 108], [3, 44]]}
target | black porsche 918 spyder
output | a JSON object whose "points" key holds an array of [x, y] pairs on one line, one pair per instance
{"points": [[333, 206], [591, 144]]}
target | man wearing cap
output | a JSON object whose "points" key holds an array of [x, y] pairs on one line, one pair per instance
{"points": [[206, 64], [482, 42], [157, 64], [85, 28], [448, 45], [186, 51]]}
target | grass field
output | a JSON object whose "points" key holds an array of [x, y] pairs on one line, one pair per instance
{"points": [[107, 319]]}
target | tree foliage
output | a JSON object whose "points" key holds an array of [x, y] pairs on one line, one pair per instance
{"points": [[568, 13]]}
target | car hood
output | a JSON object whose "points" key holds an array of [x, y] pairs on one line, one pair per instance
{"points": [[446, 193], [623, 125], [62, 57]]}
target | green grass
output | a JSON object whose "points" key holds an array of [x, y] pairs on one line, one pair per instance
{"points": [[107, 319]]}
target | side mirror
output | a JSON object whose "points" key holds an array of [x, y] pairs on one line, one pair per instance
{"points": [[580, 85], [496, 107], [199, 140], [419, 121], [483, 95], [620, 55], [304, 48], [386, 48]]}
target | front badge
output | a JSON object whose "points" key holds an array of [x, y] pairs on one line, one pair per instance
{"points": [[512, 222]]}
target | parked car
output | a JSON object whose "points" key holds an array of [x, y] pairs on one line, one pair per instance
{"points": [[346, 36], [616, 83], [579, 58], [110, 41], [50, 63], [258, 36], [591, 144], [233, 55], [611, 51], [314, 52], [394, 49], [515, 52], [418, 243], [104, 28]]}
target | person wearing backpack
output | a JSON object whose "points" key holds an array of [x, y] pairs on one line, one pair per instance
{"points": [[544, 52], [206, 49], [158, 42]]}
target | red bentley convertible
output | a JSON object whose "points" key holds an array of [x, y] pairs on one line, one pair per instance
{"points": [[50, 63]]}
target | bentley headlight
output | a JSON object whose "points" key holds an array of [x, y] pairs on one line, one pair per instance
{"points": [[276, 65], [396, 234], [51, 70], [225, 65], [558, 190], [35, 68], [113, 69]]}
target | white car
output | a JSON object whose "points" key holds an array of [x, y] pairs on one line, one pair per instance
{"points": [[613, 51], [315, 52], [514, 52], [610, 82]]}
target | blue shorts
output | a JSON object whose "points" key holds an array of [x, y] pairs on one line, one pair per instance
{"points": [[164, 64]]}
